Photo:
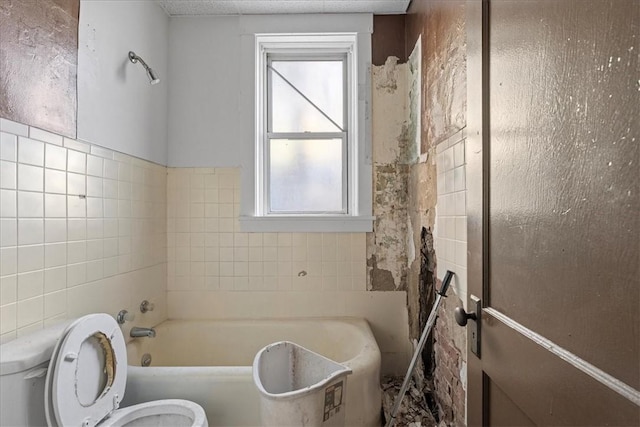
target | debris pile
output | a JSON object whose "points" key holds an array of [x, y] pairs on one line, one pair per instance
{"points": [[414, 410]]}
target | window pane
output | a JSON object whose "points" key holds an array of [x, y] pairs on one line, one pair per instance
{"points": [[321, 82], [306, 175]]}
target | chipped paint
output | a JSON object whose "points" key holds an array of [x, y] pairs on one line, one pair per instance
{"points": [[388, 249], [381, 280], [414, 84], [421, 211], [442, 112], [444, 65], [388, 76], [411, 249], [405, 134], [395, 148], [389, 112]]}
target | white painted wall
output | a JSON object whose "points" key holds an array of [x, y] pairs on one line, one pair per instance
{"points": [[212, 88], [117, 107], [204, 88], [212, 79]]}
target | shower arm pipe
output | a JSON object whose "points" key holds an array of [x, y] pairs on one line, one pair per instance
{"points": [[135, 58]]}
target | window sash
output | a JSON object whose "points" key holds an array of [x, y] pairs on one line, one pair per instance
{"points": [[308, 56], [307, 136], [269, 135]]}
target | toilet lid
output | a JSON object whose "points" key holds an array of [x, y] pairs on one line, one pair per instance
{"points": [[88, 372]]}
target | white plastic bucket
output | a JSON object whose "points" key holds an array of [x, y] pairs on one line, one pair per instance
{"points": [[299, 387]]}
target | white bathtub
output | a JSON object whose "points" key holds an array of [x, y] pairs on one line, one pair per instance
{"points": [[209, 362]]}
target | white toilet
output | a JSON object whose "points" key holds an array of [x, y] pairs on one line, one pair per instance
{"points": [[76, 376]]}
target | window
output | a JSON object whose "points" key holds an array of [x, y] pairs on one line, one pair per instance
{"points": [[306, 136], [308, 155]]}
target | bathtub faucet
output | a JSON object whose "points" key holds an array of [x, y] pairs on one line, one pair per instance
{"points": [[137, 332]]}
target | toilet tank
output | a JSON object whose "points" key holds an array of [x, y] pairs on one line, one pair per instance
{"points": [[23, 368]]}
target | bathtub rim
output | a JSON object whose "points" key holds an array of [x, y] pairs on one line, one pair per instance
{"points": [[358, 361]]}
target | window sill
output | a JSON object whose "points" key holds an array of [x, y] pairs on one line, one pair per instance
{"points": [[306, 224]]}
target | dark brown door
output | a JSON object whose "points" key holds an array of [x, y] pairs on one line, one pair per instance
{"points": [[554, 211]]}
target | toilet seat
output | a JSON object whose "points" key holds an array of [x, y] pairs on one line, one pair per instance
{"points": [[77, 370], [48, 393], [87, 376]]}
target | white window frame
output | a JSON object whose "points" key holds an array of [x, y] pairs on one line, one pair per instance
{"points": [[353, 218], [343, 134]]}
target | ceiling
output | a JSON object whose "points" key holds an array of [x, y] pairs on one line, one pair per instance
{"points": [[251, 7]]}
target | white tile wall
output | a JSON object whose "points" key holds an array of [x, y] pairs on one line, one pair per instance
{"points": [[386, 313], [216, 271], [85, 229], [207, 251], [82, 229], [451, 213]]}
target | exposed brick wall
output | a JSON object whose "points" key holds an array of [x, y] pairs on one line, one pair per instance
{"points": [[449, 391]]}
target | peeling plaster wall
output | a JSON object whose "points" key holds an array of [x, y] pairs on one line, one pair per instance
{"points": [[419, 110], [441, 26], [394, 150], [404, 187], [420, 209], [390, 103]]}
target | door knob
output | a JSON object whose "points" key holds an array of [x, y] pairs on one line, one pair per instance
{"points": [[473, 331], [462, 316]]}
